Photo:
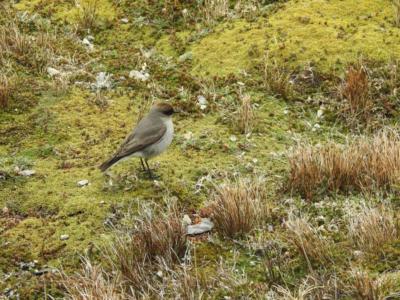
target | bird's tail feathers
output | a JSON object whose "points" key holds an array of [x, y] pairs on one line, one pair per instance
{"points": [[108, 163]]}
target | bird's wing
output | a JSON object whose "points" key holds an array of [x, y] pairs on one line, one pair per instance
{"points": [[147, 132]]}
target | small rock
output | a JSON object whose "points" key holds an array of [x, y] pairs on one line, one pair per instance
{"points": [[53, 72], [40, 272], [188, 135], [160, 274], [204, 226], [26, 266], [320, 113], [185, 56], [103, 81], [139, 75], [320, 220], [186, 220], [64, 237], [333, 228], [233, 138], [202, 102], [27, 172], [83, 182], [87, 43], [316, 127], [125, 20]]}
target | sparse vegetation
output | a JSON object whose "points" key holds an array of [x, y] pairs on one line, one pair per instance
{"points": [[385, 286], [276, 78], [308, 241], [371, 228]]}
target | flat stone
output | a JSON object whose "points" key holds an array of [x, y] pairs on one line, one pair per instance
{"points": [[83, 183], [204, 226], [64, 237], [27, 172]]}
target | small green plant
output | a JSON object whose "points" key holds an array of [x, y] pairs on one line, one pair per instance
{"points": [[245, 115], [88, 14], [276, 79], [396, 6]]}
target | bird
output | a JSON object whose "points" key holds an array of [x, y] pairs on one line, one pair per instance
{"points": [[151, 137]]}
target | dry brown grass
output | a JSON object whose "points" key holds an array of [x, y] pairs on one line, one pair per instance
{"points": [[245, 115], [363, 164], [215, 9], [5, 91], [239, 206], [276, 79], [384, 286], [370, 228], [356, 95], [93, 283], [155, 240], [308, 241], [35, 52]]}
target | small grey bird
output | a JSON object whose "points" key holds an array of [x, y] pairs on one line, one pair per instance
{"points": [[151, 137]]}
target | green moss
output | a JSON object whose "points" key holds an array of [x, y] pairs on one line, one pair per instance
{"points": [[326, 33], [71, 12]]}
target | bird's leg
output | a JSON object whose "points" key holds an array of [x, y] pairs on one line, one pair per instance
{"points": [[151, 175], [143, 167]]}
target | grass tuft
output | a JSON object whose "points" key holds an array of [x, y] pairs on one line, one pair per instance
{"points": [[370, 228], [245, 115], [362, 165], [308, 241], [5, 91], [239, 206], [92, 283], [154, 240], [276, 79], [355, 92]]}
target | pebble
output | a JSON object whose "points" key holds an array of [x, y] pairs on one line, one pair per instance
{"points": [[202, 102], [188, 135], [103, 81], [139, 75], [204, 226], [88, 44], [233, 138], [27, 173], [125, 20], [64, 237], [83, 183], [185, 56], [53, 72]]}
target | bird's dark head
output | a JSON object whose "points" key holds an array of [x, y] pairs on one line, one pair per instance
{"points": [[164, 108]]}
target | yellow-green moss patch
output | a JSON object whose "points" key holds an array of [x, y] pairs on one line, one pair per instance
{"points": [[327, 33]]}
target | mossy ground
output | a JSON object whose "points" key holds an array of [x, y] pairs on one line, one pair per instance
{"points": [[67, 135]]}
